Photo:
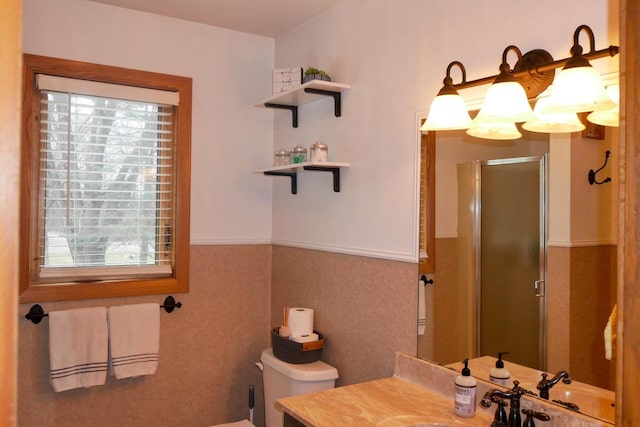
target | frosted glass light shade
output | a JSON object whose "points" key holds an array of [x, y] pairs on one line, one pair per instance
{"points": [[505, 102], [577, 90], [608, 117], [494, 130], [447, 112], [614, 93], [553, 123]]}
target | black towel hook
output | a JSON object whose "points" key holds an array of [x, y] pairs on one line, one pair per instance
{"points": [[426, 281], [592, 173]]}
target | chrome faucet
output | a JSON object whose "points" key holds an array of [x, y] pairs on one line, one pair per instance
{"points": [[545, 385], [514, 396]]}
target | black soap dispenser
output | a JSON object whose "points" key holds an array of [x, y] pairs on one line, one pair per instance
{"points": [[500, 374]]}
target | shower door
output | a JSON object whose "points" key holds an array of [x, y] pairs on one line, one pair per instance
{"points": [[510, 256]]}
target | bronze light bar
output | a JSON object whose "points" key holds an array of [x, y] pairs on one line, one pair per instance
{"points": [[577, 88], [540, 62]]}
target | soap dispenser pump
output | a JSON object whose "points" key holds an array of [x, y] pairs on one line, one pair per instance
{"points": [[465, 392], [500, 374]]}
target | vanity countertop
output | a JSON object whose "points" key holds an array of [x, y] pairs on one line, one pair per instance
{"points": [[389, 402], [420, 393]]}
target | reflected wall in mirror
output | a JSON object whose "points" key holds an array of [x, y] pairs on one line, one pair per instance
{"points": [[580, 270]]}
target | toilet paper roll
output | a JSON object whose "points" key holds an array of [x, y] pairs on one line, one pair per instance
{"points": [[300, 321], [305, 338]]}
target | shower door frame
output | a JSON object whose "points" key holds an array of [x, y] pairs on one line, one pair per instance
{"points": [[540, 285]]}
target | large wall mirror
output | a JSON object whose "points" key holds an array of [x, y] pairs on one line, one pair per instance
{"points": [[539, 183]]}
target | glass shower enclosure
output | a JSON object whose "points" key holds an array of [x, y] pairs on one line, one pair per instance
{"points": [[503, 218]]}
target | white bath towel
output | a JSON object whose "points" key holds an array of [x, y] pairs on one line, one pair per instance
{"points": [[78, 348], [134, 339], [422, 309]]}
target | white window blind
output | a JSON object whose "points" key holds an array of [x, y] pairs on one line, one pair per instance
{"points": [[107, 90], [106, 183], [422, 234]]}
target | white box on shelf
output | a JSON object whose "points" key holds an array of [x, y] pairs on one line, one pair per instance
{"points": [[285, 79]]}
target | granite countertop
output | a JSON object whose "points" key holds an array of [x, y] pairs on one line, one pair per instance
{"points": [[389, 402]]}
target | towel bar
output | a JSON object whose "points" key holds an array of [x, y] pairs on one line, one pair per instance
{"points": [[36, 313]]}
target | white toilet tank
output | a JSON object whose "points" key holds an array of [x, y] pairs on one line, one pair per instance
{"points": [[282, 379]]}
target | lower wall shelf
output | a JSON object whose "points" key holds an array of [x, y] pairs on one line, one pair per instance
{"points": [[292, 170]]}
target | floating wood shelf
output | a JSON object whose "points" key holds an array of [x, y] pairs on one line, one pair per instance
{"points": [[306, 93], [292, 170]]}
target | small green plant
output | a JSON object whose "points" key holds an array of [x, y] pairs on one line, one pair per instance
{"points": [[311, 71]]}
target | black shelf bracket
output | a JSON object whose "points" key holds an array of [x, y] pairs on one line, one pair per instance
{"points": [[335, 95], [334, 171], [292, 175], [292, 108]]}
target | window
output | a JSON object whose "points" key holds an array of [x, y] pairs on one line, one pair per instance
{"points": [[427, 240], [105, 170]]}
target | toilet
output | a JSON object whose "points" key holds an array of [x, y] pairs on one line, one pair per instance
{"points": [[282, 379]]}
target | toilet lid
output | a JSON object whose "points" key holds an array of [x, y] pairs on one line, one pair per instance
{"points": [[315, 371]]}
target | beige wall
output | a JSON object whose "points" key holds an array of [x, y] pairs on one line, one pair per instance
{"points": [[207, 353], [581, 292], [366, 307], [445, 295]]}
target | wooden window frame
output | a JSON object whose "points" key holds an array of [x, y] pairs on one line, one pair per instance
{"points": [[32, 291]]}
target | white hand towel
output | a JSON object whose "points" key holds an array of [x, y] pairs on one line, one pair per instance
{"points": [[78, 343], [134, 339], [610, 334], [422, 309]]}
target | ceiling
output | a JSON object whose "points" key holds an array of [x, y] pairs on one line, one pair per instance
{"points": [[269, 18]]}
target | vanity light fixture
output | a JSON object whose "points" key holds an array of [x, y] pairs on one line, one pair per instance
{"points": [[448, 110], [534, 72], [608, 117]]}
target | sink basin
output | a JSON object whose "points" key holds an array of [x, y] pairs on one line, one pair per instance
{"points": [[597, 403], [428, 425], [419, 421], [598, 406]]}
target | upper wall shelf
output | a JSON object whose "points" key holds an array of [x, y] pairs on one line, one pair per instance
{"points": [[306, 93], [291, 171]]}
